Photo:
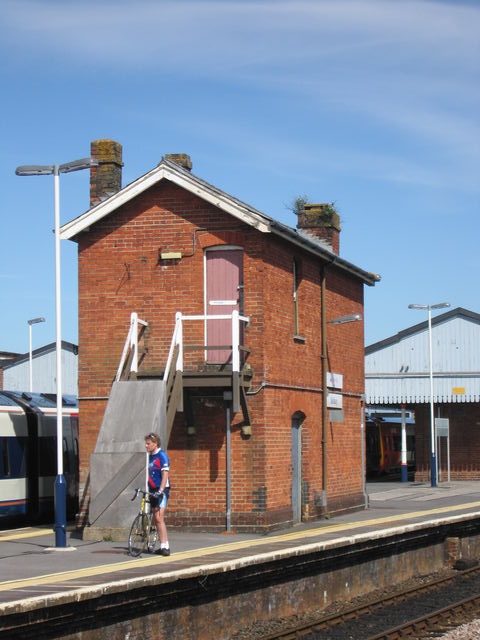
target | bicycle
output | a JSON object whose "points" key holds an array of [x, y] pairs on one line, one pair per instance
{"points": [[143, 532]]}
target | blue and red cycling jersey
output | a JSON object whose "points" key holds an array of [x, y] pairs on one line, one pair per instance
{"points": [[158, 462]]}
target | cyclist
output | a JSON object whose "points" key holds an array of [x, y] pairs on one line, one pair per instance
{"points": [[158, 482]]}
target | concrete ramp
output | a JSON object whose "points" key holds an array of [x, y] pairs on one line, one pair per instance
{"points": [[118, 464]]}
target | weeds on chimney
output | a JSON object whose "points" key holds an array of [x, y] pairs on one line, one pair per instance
{"points": [[297, 204], [329, 210]]}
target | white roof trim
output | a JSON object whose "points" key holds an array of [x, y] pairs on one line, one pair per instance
{"points": [[165, 170]]}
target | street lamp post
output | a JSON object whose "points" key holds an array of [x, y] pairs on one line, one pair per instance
{"points": [[433, 461], [30, 322], [60, 486]]}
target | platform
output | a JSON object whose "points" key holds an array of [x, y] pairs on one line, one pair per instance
{"points": [[35, 575]]}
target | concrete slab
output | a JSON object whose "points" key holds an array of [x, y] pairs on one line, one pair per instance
{"points": [[27, 569]]}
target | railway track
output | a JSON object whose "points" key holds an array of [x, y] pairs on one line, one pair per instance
{"points": [[425, 611]]}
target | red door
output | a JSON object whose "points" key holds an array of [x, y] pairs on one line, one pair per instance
{"points": [[224, 284]]}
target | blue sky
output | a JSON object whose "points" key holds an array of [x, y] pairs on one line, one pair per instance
{"points": [[371, 104]]}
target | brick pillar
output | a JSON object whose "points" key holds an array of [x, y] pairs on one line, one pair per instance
{"points": [[322, 222], [453, 551], [106, 179]]}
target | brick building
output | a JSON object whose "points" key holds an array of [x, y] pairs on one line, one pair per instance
{"points": [[251, 440]]}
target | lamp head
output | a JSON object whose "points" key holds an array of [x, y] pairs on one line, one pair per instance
{"points": [[354, 317], [66, 167], [77, 165], [34, 170]]}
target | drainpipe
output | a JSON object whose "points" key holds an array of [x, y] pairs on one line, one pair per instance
{"points": [[324, 389], [362, 431], [324, 356], [227, 396]]}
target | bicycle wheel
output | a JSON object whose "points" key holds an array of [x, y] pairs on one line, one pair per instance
{"points": [[152, 534], [138, 535]]}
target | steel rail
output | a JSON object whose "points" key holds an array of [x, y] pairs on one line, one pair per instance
{"points": [[335, 619], [426, 622]]}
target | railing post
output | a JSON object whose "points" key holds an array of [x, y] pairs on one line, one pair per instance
{"points": [[179, 333], [235, 341], [235, 361], [179, 363], [134, 341]]}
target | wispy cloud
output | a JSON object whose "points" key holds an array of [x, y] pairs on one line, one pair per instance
{"points": [[410, 67], [211, 36]]}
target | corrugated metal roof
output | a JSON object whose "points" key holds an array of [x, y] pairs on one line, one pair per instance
{"points": [[397, 370]]}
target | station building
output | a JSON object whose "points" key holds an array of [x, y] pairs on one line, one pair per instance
{"points": [[397, 372], [15, 369], [237, 352]]}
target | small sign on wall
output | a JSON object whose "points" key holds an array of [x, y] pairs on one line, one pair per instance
{"points": [[442, 427], [334, 401], [334, 380], [336, 415]]}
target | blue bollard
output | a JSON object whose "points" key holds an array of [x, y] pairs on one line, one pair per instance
{"points": [[60, 527], [433, 470]]}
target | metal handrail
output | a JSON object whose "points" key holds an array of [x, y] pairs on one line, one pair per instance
{"points": [[131, 345], [177, 338]]}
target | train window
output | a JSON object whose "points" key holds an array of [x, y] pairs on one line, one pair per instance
{"points": [[397, 443], [5, 470], [12, 457], [47, 456], [66, 457]]}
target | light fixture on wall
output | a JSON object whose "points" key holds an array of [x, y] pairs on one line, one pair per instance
{"points": [[167, 254], [353, 317]]}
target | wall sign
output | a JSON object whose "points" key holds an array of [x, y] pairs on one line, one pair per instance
{"points": [[334, 380]]}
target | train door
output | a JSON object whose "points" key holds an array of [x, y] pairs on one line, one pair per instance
{"points": [[223, 294], [373, 448], [70, 459], [14, 483]]}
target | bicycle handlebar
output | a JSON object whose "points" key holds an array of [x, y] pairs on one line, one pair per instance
{"points": [[144, 493]]}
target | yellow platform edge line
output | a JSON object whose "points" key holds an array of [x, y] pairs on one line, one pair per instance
{"points": [[30, 533], [65, 576]]}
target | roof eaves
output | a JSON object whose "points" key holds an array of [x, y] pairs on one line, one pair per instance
{"points": [[171, 171], [320, 251], [47, 348], [96, 213], [167, 169]]}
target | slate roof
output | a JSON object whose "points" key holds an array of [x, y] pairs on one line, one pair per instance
{"points": [[169, 170]]}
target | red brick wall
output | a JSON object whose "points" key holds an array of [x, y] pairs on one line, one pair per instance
{"points": [[120, 272], [464, 441]]}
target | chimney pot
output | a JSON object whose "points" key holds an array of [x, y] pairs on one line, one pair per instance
{"points": [[182, 159], [322, 222], [106, 178]]}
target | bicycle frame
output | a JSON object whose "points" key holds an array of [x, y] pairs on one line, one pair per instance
{"points": [[143, 532]]}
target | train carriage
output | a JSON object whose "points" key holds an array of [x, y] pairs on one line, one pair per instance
{"points": [[28, 449], [384, 444]]}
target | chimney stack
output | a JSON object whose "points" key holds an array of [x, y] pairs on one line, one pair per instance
{"points": [[321, 222], [182, 159], [106, 179]]}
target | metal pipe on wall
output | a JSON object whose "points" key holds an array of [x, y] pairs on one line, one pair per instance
{"points": [[227, 396], [324, 388]]}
